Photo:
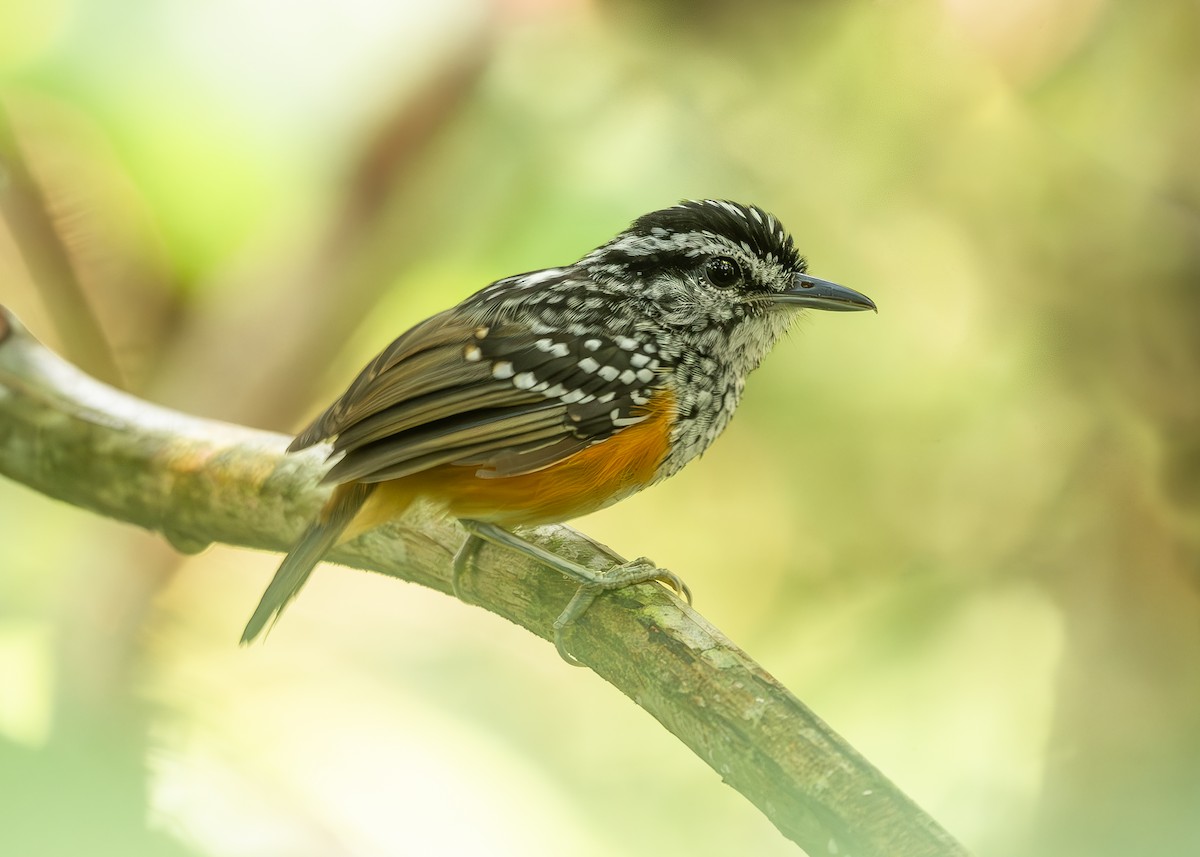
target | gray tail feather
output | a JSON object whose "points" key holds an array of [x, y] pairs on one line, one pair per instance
{"points": [[321, 535]]}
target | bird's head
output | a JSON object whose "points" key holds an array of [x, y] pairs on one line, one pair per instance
{"points": [[715, 264]]}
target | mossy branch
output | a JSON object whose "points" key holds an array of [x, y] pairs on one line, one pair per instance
{"points": [[197, 481]]}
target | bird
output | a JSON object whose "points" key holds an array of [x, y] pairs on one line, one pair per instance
{"points": [[555, 393]]}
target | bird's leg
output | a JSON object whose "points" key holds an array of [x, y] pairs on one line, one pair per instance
{"points": [[591, 583], [463, 558]]}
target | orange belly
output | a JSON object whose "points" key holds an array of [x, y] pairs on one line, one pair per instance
{"points": [[581, 483]]}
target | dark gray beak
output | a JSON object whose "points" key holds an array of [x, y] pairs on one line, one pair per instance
{"points": [[814, 293]]}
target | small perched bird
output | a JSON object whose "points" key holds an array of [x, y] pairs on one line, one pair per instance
{"points": [[552, 394]]}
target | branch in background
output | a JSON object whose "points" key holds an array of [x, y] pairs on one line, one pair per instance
{"points": [[25, 208], [198, 481], [329, 289]]}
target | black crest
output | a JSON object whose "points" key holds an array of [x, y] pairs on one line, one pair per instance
{"points": [[760, 231]]}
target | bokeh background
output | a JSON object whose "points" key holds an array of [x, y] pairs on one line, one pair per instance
{"points": [[965, 531]]}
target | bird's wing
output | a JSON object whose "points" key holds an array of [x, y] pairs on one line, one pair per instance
{"points": [[503, 398]]}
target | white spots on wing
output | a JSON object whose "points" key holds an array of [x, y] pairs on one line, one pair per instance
{"points": [[524, 381], [754, 212], [611, 373], [554, 349]]}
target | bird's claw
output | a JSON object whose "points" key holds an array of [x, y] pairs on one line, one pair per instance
{"points": [[591, 583], [640, 570]]}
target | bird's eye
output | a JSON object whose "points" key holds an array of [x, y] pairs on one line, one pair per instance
{"points": [[723, 272]]}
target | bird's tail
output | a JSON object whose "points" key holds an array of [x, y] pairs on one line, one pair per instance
{"points": [[321, 535]]}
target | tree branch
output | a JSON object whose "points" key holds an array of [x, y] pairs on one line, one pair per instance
{"points": [[198, 481]]}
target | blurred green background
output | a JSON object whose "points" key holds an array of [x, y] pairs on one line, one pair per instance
{"points": [[965, 531]]}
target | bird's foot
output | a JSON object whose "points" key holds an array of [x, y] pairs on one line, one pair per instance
{"points": [[640, 570], [591, 582]]}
